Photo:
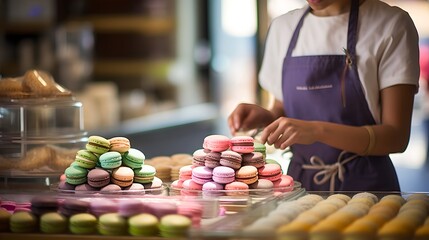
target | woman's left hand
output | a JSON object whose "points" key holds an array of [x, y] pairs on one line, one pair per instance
{"points": [[284, 132]]}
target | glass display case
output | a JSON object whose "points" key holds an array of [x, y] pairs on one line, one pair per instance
{"points": [[39, 137]]}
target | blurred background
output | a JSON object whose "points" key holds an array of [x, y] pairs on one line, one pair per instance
{"points": [[167, 73]]}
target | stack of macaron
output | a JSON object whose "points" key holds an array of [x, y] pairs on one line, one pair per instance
{"points": [[234, 164], [117, 217], [109, 165]]}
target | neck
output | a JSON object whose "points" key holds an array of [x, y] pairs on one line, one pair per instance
{"points": [[330, 8]]}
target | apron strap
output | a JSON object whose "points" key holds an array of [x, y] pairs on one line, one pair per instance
{"points": [[352, 30], [295, 35], [328, 171]]}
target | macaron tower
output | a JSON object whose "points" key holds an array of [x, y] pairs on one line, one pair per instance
{"points": [[108, 165], [230, 166]]}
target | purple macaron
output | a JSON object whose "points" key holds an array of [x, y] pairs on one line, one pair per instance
{"points": [[102, 206], [255, 159], [202, 175], [130, 207], [212, 159], [223, 175], [71, 207], [44, 204], [231, 159], [98, 177], [213, 189]]}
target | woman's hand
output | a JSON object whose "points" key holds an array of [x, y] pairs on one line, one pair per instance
{"points": [[249, 116], [284, 132]]}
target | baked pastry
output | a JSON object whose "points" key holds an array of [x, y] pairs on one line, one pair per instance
{"points": [[423, 231], [39, 83]]}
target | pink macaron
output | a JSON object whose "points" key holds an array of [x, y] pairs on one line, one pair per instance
{"points": [[175, 187], [213, 189], [216, 143], [223, 174], [236, 188], [202, 175], [191, 188], [284, 184], [270, 171], [177, 184], [242, 144], [192, 210], [185, 172]]}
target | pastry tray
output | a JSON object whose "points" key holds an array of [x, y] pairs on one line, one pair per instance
{"points": [[231, 226], [212, 212]]}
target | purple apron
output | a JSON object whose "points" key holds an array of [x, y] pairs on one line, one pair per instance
{"points": [[327, 88]]}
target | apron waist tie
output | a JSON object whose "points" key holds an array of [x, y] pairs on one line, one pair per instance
{"points": [[328, 171]]}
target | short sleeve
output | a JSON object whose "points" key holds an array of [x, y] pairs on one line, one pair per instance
{"points": [[272, 62], [399, 63]]}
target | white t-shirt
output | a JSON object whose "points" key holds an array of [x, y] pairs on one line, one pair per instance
{"points": [[387, 47]]}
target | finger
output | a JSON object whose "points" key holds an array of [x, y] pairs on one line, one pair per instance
{"points": [[286, 140], [237, 117], [277, 133], [290, 141], [267, 132], [231, 125]]}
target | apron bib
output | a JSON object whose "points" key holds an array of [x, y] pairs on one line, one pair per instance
{"points": [[327, 88]]}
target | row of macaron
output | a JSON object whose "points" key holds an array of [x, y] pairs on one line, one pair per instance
{"points": [[51, 215], [340, 216], [193, 180], [122, 176], [239, 144], [156, 187]]}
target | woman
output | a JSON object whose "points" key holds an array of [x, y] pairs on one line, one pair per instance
{"points": [[344, 74]]}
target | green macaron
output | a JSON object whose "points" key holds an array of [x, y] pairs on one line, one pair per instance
{"points": [[145, 174], [174, 225], [4, 220], [76, 175], [86, 159], [133, 158], [97, 144], [143, 224], [83, 223], [112, 224], [259, 147], [23, 222], [53, 222], [110, 160]]}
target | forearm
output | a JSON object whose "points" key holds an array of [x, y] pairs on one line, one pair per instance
{"points": [[387, 139]]}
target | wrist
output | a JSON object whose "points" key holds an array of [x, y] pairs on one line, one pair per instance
{"points": [[318, 130]]}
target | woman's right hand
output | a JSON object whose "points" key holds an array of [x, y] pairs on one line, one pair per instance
{"points": [[249, 116]]}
